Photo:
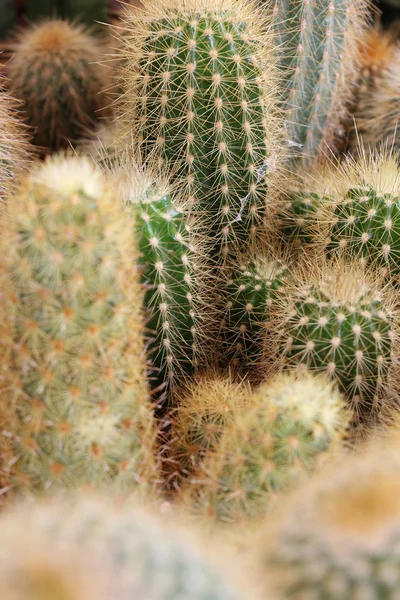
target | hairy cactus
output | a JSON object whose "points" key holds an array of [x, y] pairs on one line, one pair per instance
{"points": [[170, 264], [339, 538], [249, 298], [54, 72], [85, 548], [199, 89], [319, 42], [204, 410], [363, 216], [14, 147], [288, 425], [337, 320], [76, 379]]}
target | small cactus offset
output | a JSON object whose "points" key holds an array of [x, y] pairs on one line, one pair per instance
{"points": [[199, 93], [319, 44], [335, 319], [54, 71], [90, 548], [76, 379], [170, 266], [14, 146], [339, 538], [249, 298], [287, 426]]}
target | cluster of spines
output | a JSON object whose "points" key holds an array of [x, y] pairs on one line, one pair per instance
{"points": [[201, 105], [54, 72], [75, 382], [319, 45], [276, 437]]}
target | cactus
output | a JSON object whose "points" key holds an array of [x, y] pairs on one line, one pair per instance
{"points": [[199, 92], [54, 71], [169, 264], [85, 548], [339, 538], [336, 319], [76, 379], [249, 298], [319, 43], [14, 147], [363, 217], [288, 425], [204, 410]]}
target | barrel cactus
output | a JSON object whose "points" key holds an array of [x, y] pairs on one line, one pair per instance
{"points": [[76, 377], [54, 71], [288, 425], [319, 45], [199, 92]]}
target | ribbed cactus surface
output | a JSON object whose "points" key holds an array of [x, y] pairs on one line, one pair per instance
{"points": [[76, 380], [318, 42], [199, 91]]}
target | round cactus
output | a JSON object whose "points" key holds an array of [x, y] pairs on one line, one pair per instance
{"points": [[339, 538], [364, 216], [287, 426], [82, 548], [249, 299], [55, 73], [199, 91], [338, 321], [76, 377]]}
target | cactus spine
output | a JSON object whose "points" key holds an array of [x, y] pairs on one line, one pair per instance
{"points": [[199, 101], [76, 380], [54, 72], [82, 548], [319, 56], [337, 320], [287, 425]]}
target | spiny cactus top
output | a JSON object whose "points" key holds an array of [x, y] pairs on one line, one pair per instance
{"points": [[340, 538], [288, 424], [14, 148], [199, 90], [86, 548], [335, 319], [76, 379], [319, 45], [54, 71], [363, 216]]}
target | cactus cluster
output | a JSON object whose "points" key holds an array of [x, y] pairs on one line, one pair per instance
{"points": [[199, 94], [76, 375], [55, 73]]}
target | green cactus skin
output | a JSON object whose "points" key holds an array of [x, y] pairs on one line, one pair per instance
{"points": [[168, 270], [288, 424], [8, 17], [54, 71], [201, 105], [77, 375], [250, 295], [319, 51], [112, 551], [341, 326], [297, 217]]}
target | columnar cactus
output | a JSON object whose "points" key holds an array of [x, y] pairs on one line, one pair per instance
{"points": [[339, 538], [76, 378], [336, 320], [249, 297], [55, 73], [287, 426], [199, 91], [14, 147], [319, 43], [170, 264], [363, 216], [85, 548]]}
